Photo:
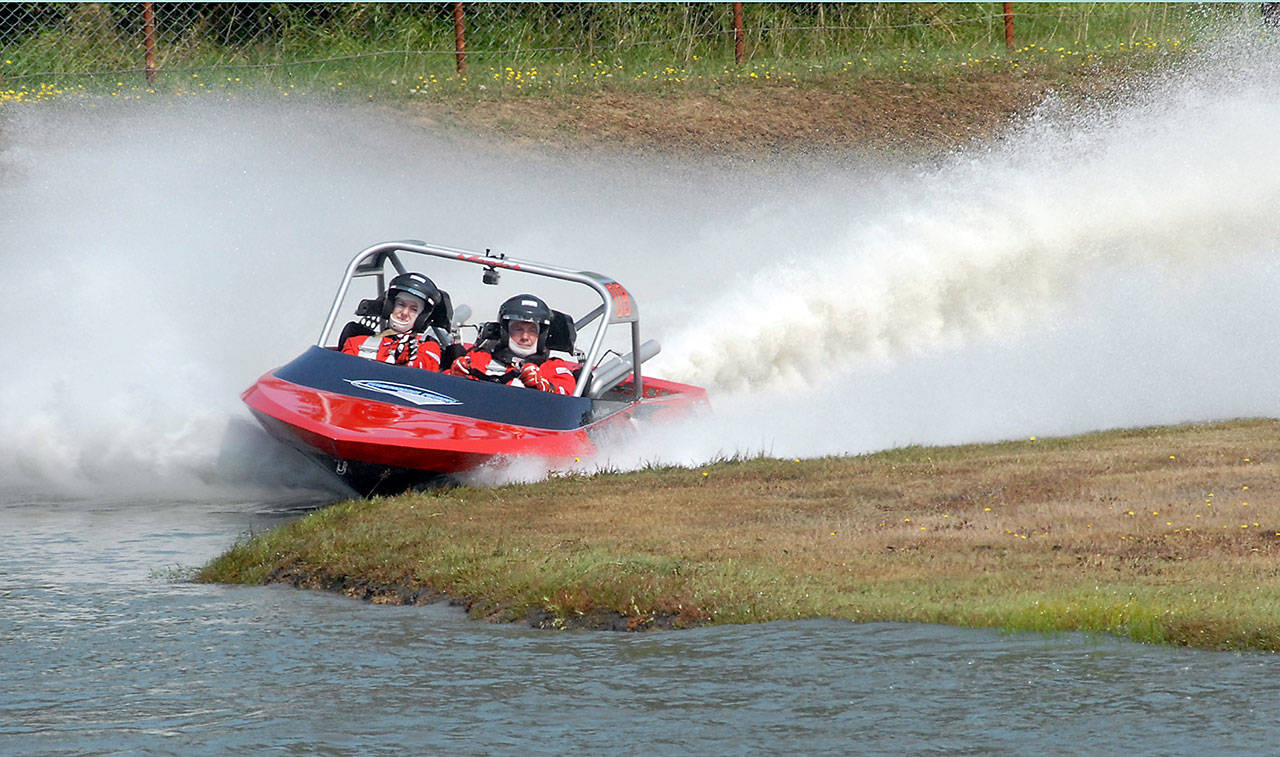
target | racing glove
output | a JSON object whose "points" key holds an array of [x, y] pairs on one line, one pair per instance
{"points": [[460, 366], [530, 377]]}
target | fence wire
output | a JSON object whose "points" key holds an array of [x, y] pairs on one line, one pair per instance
{"points": [[58, 41]]}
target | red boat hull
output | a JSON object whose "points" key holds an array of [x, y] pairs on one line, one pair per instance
{"points": [[351, 428], [367, 421]]}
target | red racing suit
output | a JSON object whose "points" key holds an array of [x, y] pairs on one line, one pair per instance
{"points": [[550, 375], [413, 350]]}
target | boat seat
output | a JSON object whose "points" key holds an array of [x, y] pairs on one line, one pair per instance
{"points": [[370, 314], [561, 334], [450, 353], [442, 316], [354, 328], [487, 332]]}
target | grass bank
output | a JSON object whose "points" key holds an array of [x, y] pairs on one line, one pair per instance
{"points": [[1162, 535], [39, 39], [885, 80], [406, 51]]}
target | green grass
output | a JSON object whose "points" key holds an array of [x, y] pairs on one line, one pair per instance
{"points": [[1164, 535], [405, 50]]}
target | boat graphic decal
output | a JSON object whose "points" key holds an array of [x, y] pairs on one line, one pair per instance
{"points": [[416, 395]]}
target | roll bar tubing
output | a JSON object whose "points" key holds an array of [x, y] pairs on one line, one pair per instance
{"points": [[380, 252]]}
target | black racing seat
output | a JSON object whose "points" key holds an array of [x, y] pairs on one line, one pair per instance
{"points": [[369, 313], [442, 316], [561, 334], [487, 335], [450, 353], [354, 328]]}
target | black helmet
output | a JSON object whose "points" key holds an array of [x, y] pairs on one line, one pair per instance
{"points": [[526, 307], [417, 285]]}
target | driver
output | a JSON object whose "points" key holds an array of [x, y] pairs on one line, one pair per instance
{"points": [[520, 352], [406, 309]]}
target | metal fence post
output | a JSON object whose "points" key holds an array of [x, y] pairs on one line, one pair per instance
{"points": [[737, 33], [1008, 26], [149, 41], [460, 38]]}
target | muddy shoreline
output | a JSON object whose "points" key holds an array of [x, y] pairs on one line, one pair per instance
{"points": [[382, 593]]}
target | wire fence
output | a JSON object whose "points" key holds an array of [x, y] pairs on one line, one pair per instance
{"points": [[56, 42]]}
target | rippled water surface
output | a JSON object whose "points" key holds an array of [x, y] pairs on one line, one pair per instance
{"points": [[1099, 266], [105, 652]]}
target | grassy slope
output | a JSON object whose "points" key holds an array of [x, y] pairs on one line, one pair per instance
{"points": [[1168, 535]]}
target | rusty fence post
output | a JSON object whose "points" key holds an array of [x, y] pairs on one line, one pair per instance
{"points": [[460, 38], [1008, 26], [737, 33], [149, 41]]}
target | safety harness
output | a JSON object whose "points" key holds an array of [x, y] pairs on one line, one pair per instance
{"points": [[403, 352]]}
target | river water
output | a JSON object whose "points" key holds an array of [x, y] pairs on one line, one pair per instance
{"points": [[1098, 267], [105, 651]]}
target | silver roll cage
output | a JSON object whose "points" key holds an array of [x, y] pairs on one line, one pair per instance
{"points": [[616, 305]]}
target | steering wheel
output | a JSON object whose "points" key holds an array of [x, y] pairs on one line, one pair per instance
{"points": [[501, 378]]}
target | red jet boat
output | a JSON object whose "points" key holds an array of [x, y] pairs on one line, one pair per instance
{"points": [[383, 428]]}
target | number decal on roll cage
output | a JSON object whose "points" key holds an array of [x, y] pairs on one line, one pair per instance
{"points": [[621, 300]]}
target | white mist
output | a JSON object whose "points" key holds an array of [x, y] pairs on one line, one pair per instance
{"points": [[1102, 267]]}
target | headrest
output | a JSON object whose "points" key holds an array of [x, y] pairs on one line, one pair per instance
{"points": [[442, 316], [561, 335], [354, 328], [490, 331]]}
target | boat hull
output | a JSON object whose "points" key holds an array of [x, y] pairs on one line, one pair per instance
{"points": [[368, 421]]}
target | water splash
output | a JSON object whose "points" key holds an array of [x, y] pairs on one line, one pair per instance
{"points": [[1102, 265], [1173, 177]]}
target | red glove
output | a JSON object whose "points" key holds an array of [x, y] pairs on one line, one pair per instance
{"points": [[461, 366], [532, 378]]}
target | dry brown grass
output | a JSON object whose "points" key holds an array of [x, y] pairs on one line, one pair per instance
{"points": [[1166, 535]]}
